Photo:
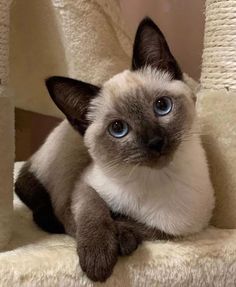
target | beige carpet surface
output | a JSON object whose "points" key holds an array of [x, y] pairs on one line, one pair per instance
{"points": [[35, 258]]}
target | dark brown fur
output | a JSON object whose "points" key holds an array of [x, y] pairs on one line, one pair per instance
{"points": [[35, 196], [100, 234], [70, 87], [145, 52]]}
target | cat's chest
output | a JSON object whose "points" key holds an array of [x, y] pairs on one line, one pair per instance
{"points": [[154, 199]]}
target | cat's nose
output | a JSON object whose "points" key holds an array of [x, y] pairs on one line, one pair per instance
{"points": [[157, 143]]}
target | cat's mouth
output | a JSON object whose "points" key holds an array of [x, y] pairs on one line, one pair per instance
{"points": [[155, 159], [161, 161]]}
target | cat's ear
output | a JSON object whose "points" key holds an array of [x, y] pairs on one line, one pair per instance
{"points": [[151, 49], [72, 97]]}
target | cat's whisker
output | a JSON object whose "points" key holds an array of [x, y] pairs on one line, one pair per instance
{"points": [[111, 166], [170, 179], [134, 168], [187, 138]]}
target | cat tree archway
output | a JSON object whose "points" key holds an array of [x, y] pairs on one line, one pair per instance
{"points": [[37, 259]]}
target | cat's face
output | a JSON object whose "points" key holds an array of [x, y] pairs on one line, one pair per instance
{"points": [[138, 117]]}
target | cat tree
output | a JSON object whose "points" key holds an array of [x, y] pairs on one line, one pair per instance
{"points": [[217, 106], [6, 131], [35, 258]]}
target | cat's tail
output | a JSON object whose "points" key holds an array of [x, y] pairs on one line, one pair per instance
{"points": [[30, 190]]}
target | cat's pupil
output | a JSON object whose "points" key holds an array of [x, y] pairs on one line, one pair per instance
{"points": [[118, 129], [118, 126], [162, 105]]}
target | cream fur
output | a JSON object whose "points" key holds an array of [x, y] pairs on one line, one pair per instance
{"points": [[122, 84], [35, 258], [149, 78], [59, 161], [177, 199]]}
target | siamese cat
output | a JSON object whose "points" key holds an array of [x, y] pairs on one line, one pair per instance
{"points": [[126, 165]]}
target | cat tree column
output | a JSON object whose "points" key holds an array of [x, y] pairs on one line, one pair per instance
{"points": [[219, 57], [217, 105], [6, 131]]}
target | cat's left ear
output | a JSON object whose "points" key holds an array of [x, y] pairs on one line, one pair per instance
{"points": [[151, 49], [72, 97]]}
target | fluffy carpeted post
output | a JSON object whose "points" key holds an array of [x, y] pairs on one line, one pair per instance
{"points": [[96, 41], [219, 65], [217, 106], [6, 131]]}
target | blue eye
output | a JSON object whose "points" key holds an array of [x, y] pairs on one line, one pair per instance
{"points": [[118, 129], [163, 106]]}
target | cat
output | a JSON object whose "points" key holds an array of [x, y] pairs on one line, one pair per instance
{"points": [[126, 165]]}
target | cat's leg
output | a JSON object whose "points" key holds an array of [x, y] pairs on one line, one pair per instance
{"points": [[96, 233], [31, 191], [132, 233], [128, 238]]}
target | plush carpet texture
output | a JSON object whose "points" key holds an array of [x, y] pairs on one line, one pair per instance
{"points": [[217, 113], [217, 106], [85, 39], [35, 258]]}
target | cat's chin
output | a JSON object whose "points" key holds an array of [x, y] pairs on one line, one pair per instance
{"points": [[154, 162], [158, 163]]}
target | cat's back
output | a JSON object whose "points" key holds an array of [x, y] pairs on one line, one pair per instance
{"points": [[46, 180], [61, 158]]}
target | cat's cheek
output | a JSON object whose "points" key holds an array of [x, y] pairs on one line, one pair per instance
{"points": [[90, 138]]}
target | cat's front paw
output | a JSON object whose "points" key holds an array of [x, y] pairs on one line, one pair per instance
{"points": [[128, 238], [98, 256]]}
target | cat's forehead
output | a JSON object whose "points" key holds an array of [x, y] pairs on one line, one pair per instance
{"points": [[134, 88], [148, 80]]}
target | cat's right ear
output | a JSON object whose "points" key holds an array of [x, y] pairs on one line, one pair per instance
{"points": [[151, 49], [72, 97]]}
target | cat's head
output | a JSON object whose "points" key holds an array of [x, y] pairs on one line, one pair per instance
{"points": [[139, 116]]}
